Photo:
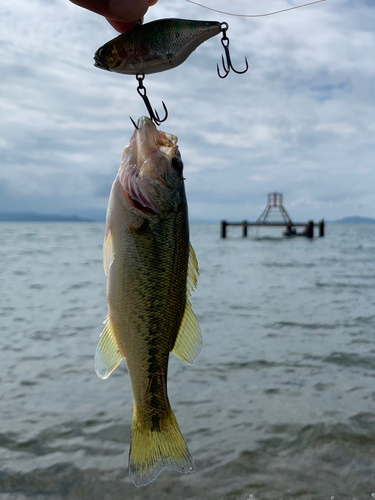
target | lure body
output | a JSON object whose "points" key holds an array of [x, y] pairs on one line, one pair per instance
{"points": [[154, 47]]}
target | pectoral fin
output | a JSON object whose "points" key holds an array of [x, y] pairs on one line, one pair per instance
{"points": [[107, 355], [189, 339], [108, 251]]}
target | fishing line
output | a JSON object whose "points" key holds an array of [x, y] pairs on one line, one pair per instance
{"points": [[255, 15]]}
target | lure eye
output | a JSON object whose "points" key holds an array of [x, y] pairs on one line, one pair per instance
{"points": [[103, 52], [177, 164]]}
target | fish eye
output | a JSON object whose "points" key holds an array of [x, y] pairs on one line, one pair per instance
{"points": [[103, 52], [177, 164]]}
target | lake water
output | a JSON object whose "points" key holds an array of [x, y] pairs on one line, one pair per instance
{"points": [[279, 405]]}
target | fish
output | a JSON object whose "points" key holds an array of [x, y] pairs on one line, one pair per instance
{"points": [[154, 47], [151, 270]]}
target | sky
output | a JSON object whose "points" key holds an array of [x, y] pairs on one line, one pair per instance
{"points": [[301, 121]]}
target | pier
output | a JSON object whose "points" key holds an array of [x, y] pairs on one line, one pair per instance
{"points": [[275, 206]]}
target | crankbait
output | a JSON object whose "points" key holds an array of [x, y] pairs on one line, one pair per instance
{"points": [[158, 46], [165, 44]]}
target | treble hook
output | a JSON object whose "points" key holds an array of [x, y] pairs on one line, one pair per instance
{"points": [[225, 43], [141, 89]]}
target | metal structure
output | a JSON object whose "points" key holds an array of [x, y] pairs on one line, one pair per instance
{"points": [[274, 205], [275, 215]]}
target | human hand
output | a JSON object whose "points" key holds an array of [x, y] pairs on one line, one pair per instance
{"points": [[119, 13]]}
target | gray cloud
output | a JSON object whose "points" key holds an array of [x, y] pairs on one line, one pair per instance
{"points": [[301, 121]]}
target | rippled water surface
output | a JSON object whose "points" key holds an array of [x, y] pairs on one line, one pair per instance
{"points": [[280, 404]]}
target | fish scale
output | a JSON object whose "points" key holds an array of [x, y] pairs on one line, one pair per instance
{"points": [[151, 270], [154, 47]]}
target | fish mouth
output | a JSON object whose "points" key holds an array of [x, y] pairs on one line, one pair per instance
{"points": [[100, 64], [137, 173], [144, 126], [147, 133]]}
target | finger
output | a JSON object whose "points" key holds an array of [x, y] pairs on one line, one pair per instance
{"points": [[118, 10], [120, 26]]}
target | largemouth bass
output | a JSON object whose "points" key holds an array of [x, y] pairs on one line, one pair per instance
{"points": [[151, 271], [154, 47]]}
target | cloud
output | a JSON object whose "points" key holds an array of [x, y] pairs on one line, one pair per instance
{"points": [[300, 121]]}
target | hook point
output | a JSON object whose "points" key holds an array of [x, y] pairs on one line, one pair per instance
{"points": [[225, 69], [133, 122]]}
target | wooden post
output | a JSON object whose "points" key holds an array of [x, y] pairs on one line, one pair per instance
{"points": [[223, 228], [321, 228], [244, 228], [310, 229]]}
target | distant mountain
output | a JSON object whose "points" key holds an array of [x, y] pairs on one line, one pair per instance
{"points": [[356, 219], [34, 217]]}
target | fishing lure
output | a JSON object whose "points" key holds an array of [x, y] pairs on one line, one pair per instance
{"points": [[159, 46], [165, 44], [156, 46]]}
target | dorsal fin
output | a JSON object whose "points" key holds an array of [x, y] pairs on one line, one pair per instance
{"points": [[189, 339], [193, 272]]}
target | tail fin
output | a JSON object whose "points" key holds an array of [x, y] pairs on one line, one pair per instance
{"points": [[153, 449]]}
